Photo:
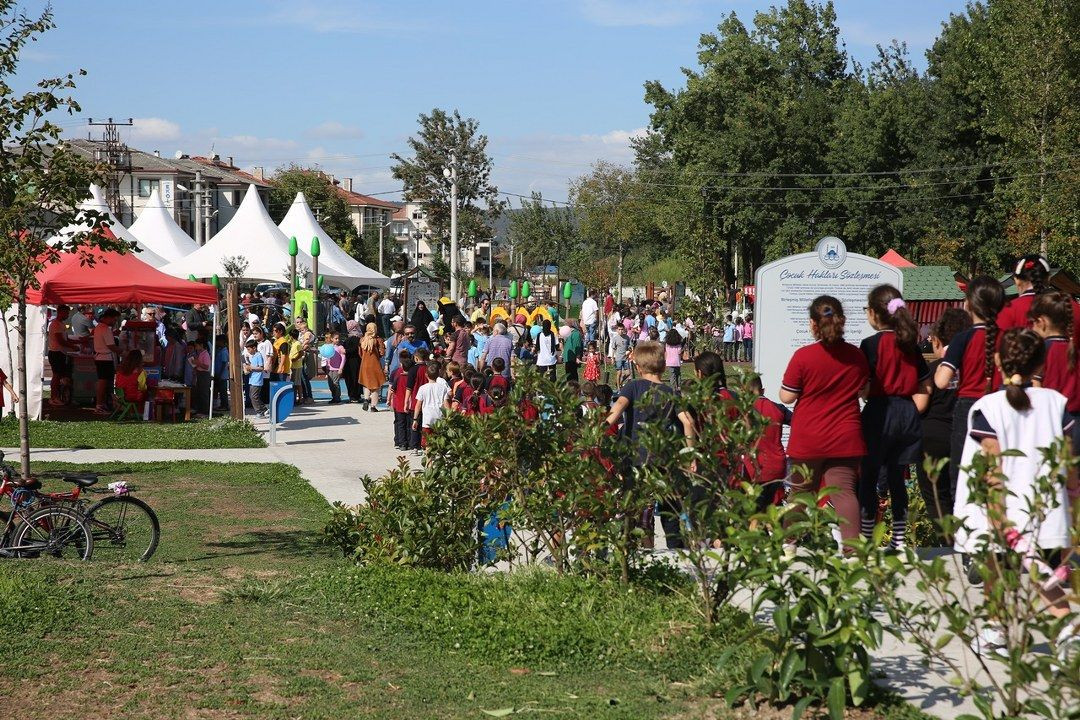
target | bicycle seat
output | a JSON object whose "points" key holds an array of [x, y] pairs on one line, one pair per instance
{"points": [[83, 480]]}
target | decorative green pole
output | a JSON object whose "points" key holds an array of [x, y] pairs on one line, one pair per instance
{"points": [[526, 291], [293, 251], [567, 292], [315, 285], [513, 291]]}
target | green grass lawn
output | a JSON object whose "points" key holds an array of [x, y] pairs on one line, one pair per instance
{"points": [[244, 614], [216, 433]]}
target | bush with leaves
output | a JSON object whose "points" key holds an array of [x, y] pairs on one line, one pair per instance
{"points": [[556, 480], [1032, 676]]}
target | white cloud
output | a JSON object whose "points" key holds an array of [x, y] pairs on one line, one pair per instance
{"points": [[547, 163], [332, 129], [151, 128], [653, 13]]}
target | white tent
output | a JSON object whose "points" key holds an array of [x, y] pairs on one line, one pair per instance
{"points": [[252, 235], [158, 232], [96, 201], [335, 265]]}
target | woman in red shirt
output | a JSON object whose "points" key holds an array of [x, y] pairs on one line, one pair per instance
{"points": [[1030, 277], [825, 381], [891, 421], [1052, 316], [970, 359]]}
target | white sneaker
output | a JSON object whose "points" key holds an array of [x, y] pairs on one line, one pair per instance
{"points": [[1067, 643], [990, 640]]}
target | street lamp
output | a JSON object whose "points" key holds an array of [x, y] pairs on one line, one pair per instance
{"points": [[418, 236], [450, 173]]}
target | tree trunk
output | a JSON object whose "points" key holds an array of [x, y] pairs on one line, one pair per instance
{"points": [[232, 339], [24, 406], [618, 279]]}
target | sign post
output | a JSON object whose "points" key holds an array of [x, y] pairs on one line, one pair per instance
{"points": [[784, 289]]}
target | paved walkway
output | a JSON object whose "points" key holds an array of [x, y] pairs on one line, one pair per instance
{"points": [[334, 446]]}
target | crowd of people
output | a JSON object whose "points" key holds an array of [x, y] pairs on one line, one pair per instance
{"points": [[1002, 380], [181, 350]]}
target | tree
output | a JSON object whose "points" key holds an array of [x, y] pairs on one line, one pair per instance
{"points": [[41, 182], [367, 249], [440, 137], [322, 195], [613, 214], [1034, 63], [542, 234]]}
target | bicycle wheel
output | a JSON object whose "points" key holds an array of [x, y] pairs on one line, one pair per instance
{"points": [[55, 532], [125, 529]]}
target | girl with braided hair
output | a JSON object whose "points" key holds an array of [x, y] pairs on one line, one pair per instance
{"points": [[970, 360], [1031, 274], [891, 424], [1052, 317], [1012, 427]]}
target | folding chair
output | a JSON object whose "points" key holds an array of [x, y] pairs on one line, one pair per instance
{"points": [[123, 407]]}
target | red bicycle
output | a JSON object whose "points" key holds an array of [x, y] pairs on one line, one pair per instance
{"points": [[31, 530]]}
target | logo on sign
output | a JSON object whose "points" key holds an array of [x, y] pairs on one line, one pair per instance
{"points": [[831, 252]]}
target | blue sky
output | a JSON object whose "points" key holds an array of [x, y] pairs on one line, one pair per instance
{"points": [[555, 84]]}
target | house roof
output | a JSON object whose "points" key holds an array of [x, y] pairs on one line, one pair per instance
{"points": [[145, 162], [356, 199], [1059, 279], [230, 174], [930, 282]]}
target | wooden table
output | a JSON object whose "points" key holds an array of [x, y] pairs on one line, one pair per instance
{"points": [[179, 389]]}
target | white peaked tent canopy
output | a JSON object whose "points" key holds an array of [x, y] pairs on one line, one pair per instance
{"points": [[252, 235], [96, 201], [158, 232], [335, 265]]}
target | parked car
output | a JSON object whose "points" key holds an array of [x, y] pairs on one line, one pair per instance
{"points": [[264, 288]]}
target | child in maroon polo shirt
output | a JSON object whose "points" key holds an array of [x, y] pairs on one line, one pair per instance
{"points": [[825, 381]]}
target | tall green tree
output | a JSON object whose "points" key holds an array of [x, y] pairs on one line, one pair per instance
{"points": [[542, 234], [1033, 55], [440, 136], [614, 217], [326, 202], [41, 181]]}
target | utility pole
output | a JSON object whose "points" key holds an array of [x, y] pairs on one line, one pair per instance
{"points": [[382, 226], [450, 173], [198, 208], [116, 155]]}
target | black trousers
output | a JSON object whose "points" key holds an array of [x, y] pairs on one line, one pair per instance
{"points": [[936, 492], [957, 439], [401, 429], [571, 370]]}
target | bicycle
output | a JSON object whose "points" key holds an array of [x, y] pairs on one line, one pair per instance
{"points": [[34, 531], [124, 528]]}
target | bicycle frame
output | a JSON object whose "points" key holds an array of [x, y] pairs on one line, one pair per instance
{"points": [[7, 489]]}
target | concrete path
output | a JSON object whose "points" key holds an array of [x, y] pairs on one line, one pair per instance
{"points": [[334, 446]]}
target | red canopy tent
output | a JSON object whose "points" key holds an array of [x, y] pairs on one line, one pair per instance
{"points": [[114, 279], [896, 259]]}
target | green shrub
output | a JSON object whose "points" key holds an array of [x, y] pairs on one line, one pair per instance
{"points": [[418, 518]]}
